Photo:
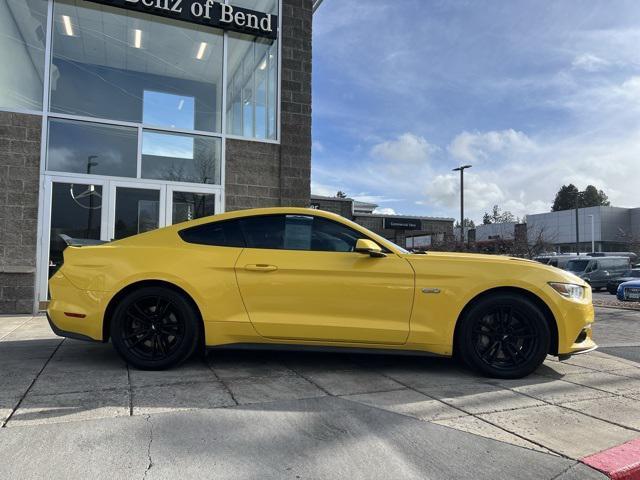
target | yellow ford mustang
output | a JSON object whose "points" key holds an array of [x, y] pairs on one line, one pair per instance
{"points": [[292, 276]]}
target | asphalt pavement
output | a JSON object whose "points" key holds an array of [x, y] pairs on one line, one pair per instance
{"points": [[72, 409]]}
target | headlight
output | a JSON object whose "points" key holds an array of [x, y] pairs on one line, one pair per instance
{"points": [[568, 290]]}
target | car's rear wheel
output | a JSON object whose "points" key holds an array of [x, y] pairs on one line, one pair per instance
{"points": [[154, 328], [504, 336]]}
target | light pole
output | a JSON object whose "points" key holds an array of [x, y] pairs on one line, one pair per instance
{"points": [[461, 170], [593, 240]]}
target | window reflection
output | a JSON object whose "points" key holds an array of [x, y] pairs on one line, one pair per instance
{"points": [[189, 206], [76, 211], [137, 211], [252, 87], [181, 158], [161, 107], [266, 6], [83, 147], [108, 62], [22, 42]]}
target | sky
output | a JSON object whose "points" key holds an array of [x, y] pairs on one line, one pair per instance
{"points": [[533, 93]]}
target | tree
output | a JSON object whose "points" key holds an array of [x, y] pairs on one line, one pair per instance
{"points": [[498, 217], [592, 197], [468, 223], [568, 196], [565, 198], [341, 194]]}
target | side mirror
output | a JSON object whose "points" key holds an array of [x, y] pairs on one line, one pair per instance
{"points": [[369, 247]]}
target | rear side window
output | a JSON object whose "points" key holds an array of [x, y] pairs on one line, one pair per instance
{"points": [[221, 234]]}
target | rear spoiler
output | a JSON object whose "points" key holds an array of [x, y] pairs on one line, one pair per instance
{"points": [[80, 242]]}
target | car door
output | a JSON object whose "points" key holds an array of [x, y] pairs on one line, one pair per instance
{"points": [[300, 279]]}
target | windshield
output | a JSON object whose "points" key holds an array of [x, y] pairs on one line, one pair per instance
{"points": [[402, 250], [577, 265]]}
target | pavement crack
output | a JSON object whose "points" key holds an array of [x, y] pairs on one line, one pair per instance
{"points": [[222, 382], [149, 459], [130, 391], [559, 475], [26, 392]]}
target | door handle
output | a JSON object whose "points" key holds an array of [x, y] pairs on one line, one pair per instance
{"points": [[261, 267]]}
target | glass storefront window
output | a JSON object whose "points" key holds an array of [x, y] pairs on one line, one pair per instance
{"points": [[181, 158], [22, 46], [123, 65], [252, 82], [76, 211], [189, 206], [266, 6], [91, 148], [137, 211]]}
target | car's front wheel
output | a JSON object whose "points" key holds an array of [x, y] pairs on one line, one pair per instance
{"points": [[504, 336], [154, 328]]}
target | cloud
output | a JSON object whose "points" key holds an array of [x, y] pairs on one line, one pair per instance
{"points": [[317, 146], [408, 147], [385, 211], [532, 98], [479, 193], [589, 63], [472, 147]]}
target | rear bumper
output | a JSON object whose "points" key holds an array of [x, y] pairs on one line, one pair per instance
{"points": [[73, 312], [64, 333]]}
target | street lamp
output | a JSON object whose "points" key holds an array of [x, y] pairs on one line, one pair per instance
{"points": [[593, 240], [461, 170]]}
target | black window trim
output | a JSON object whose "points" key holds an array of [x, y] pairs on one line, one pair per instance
{"points": [[244, 237]]}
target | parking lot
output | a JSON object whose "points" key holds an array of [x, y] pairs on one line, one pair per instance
{"points": [[244, 414]]}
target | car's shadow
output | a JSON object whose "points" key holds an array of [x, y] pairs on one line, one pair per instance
{"points": [[50, 381]]}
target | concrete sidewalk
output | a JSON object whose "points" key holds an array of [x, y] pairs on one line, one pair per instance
{"points": [[69, 407]]}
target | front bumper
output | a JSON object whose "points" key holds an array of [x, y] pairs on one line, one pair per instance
{"points": [[574, 322]]}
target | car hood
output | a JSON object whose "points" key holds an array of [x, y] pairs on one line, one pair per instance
{"points": [[633, 283], [513, 264]]}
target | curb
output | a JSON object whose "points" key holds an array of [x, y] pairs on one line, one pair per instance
{"points": [[618, 463]]}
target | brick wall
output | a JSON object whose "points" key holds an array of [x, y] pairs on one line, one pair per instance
{"points": [[266, 175], [19, 172]]}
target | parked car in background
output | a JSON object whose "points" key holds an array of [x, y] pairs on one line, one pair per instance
{"points": [[559, 261], [632, 256], [628, 276], [629, 291], [598, 271]]}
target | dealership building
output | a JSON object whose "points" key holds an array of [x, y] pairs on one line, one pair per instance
{"points": [[411, 232], [609, 229], [122, 116]]}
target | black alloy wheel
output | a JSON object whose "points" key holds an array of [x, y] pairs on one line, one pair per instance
{"points": [[503, 336], [154, 328]]}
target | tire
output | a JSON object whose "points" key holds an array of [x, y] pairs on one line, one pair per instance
{"points": [[149, 340], [503, 336], [612, 292]]}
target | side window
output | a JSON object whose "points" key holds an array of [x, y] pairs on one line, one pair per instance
{"points": [[221, 234], [264, 232], [298, 232], [329, 236]]}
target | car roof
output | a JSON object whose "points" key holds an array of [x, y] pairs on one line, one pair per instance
{"points": [[253, 212]]}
